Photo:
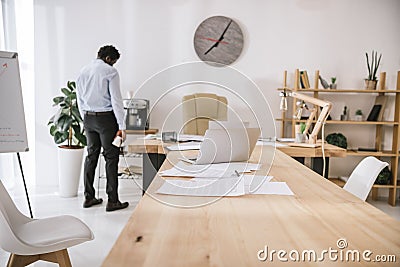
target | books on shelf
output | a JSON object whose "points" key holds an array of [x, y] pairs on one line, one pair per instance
{"points": [[377, 111], [304, 82]]}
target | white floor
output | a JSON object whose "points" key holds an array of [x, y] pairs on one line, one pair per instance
{"points": [[105, 226]]}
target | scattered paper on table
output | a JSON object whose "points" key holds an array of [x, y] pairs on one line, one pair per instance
{"points": [[270, 143], [190, 137], [210, 170], [203, 187], [184, 146], [273, 188]]}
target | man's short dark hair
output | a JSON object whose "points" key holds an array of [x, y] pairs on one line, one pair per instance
{"points": [[108, 51]]}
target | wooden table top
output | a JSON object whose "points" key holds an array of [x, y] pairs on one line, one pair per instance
{"points": [[234, 231], [157, 146], [142, 132]]}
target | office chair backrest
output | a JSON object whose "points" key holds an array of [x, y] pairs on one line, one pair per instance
{"points": [[10, 219], [199, 109], [363, 177]]}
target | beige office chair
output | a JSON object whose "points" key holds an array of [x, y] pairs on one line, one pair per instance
{"points": [[199, 109], [363, 177], [29, 240]]}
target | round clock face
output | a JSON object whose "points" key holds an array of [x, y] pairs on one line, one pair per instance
{"points": [[218, 39]]}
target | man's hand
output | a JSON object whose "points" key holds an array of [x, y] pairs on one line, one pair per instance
{"points": [[121, 133]]}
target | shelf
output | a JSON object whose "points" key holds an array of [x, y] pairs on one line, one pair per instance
{"points": [[341, 183], [383, 186], [371, 153], [337, 181], [347, 122], [335, 91], [379, 127]]}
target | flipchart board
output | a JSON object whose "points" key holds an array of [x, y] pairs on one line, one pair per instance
{"points": [[13, 137]]}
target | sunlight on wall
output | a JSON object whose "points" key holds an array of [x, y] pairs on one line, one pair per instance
{"points": [[16, 32]]}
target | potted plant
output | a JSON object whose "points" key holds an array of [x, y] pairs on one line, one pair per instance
{"points": [[333, 83], [301, 136], [359, 115], [66, 127], [372, 80]]}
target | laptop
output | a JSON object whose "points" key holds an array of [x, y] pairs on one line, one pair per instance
{"points": [[227, 145]]}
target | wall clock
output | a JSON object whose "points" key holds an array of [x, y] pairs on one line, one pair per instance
{"points": [[218, 39]]}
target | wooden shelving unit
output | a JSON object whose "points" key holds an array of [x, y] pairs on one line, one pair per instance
{"points": [[380, 126]]}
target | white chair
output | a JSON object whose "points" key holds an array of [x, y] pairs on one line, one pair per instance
{"points": [[29, 240], [363, 177]]}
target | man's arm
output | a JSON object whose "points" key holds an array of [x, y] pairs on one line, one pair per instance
{"points": [[117, 104], [78, 97]]}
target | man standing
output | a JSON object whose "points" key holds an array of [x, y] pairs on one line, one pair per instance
{"points": [[100, 104]]}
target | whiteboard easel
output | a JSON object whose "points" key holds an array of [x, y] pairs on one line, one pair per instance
{"points": [[13, 136]]}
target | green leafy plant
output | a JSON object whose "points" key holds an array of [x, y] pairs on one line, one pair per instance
{"points": [[359, 112], [384, 177], [337, 139], [66, 124], [373, 67], [333, 80], [302, 127]]}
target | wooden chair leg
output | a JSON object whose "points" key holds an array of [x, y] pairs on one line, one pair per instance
{"points": [[21, 260], [61, 257]]}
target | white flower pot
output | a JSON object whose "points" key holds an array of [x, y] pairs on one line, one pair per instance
{"points": [[69, 171], [358, 117]]}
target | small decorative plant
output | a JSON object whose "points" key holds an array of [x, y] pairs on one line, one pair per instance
{"points": [[373, 67], [67, 124], [359, 115], [333, 83], [302, 127]]}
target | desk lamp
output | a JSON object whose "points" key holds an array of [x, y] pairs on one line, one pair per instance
{"points": [[326, 108]]}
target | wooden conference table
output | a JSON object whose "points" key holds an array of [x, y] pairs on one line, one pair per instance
{"points": [[154, 153], [241, 231]]}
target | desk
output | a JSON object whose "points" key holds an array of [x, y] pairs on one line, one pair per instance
{"points": [[154, 155], [317, 164], [232, 231]]}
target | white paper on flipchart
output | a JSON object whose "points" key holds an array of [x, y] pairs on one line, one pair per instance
{"points": [[210, 170], [203, 187]]}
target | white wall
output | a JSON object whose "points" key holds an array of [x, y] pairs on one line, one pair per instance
{"points": [[331, 36]]}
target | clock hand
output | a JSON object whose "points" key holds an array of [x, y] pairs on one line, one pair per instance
{"points": [[222, 35], [214, 45], [220, 38], [214, 40]]}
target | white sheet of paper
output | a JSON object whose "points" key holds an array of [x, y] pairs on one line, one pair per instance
{"points": [[251, 182], [203, 187], [185, 146], [273, 188], [270, 143], [190, 137], [210, 170]]}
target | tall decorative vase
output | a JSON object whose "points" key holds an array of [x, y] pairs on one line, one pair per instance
{"points": [[69, 170], [370, 84]]}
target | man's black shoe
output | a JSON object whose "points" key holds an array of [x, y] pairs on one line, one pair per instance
{"points": [[111, 206], [91, 202]]}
